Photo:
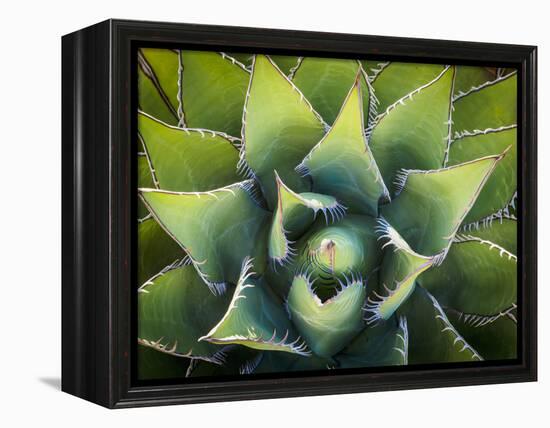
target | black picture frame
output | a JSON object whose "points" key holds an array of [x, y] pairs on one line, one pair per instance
{"points": [[98, 203]]}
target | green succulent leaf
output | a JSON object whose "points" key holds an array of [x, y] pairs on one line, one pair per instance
{"points": [[145, 176], [503, 232], [165, 64], [384, 344], [398, 79], [349, 245], [155, 250], [432, 204], [280, 128], [490, 105], [217, 228], [152, 364], [214, 91], [507, 212], [187, 159], [157, 72], [325, 82], [239, 360], [468, 77], [283, 362], [286, 63], [502, 184], [145, 179], [342, 164], [495, 337], [413, 167], [373, 68], [432, 337], [413, 131], [294, 213], [256, 318], [174, 310], [477, 277], [400, 269], [326, 326], [245, 58]]}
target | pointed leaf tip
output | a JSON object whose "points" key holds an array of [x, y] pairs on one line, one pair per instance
{"points": [[401, 267], [294, 213], [279, 128], [432, 204], [342, 164], [412, 132], [502, 183], [174, 310], [208, 224], [325, 82], [256, 318]]}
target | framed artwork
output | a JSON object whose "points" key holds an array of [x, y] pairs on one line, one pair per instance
{"points": [[254, 213]]}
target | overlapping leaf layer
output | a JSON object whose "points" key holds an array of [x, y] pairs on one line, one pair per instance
{"points": [[310, 213]]}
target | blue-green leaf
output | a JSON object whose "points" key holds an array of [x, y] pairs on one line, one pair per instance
{"points": [[384, 344], [256, 318], [342, 164], [326, 326], [432, 337], [218, 229], [174, 310], [432, 204], [477, 277]]}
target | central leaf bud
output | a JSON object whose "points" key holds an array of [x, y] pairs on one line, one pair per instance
{"points": [[334, 251], [330, 253]]}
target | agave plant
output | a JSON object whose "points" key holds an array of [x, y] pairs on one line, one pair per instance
{"points": [[313, 213]]}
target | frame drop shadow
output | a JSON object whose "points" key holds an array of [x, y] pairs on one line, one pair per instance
{"points": [[51, 381]]}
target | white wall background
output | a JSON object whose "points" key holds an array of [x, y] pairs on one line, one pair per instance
{"points": [[30, 311]]}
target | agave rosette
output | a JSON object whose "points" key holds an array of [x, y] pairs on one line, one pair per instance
{"points": [[312, 213]]}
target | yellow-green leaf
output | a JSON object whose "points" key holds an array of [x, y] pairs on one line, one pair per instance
{"points": [[188, 159], [213, 90], [502, 184], [413, 131]]}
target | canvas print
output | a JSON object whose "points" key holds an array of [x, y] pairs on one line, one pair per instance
{"points": [[299, 214]]}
